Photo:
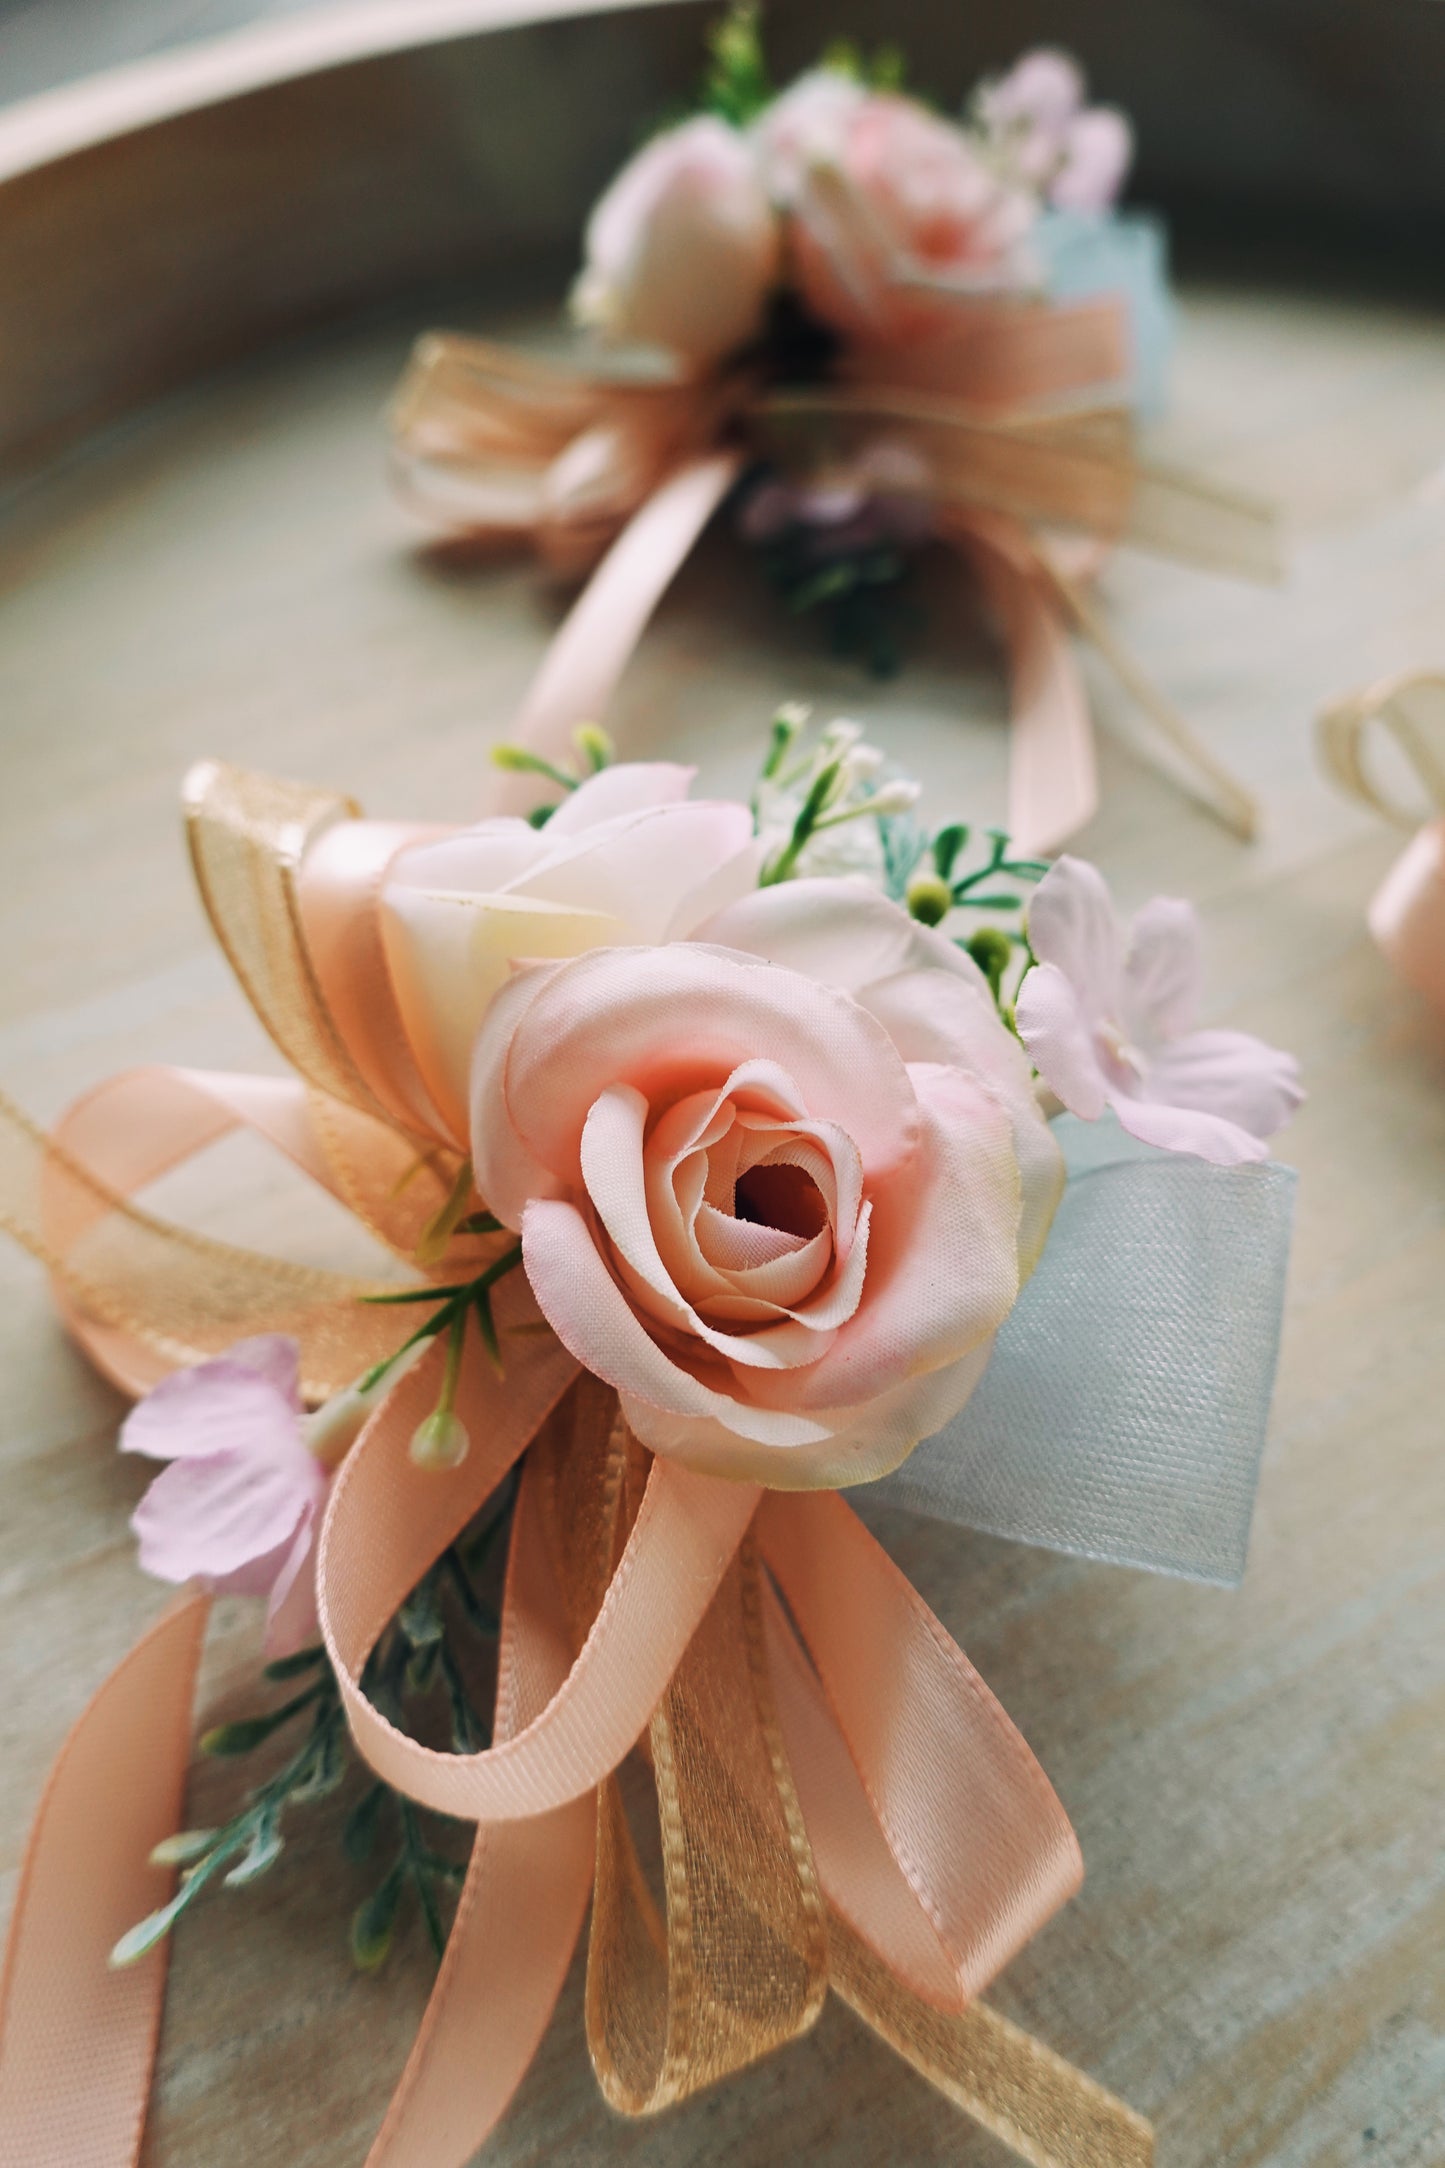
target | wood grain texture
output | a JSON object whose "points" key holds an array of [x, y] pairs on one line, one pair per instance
{"points": [[1257, 1778]]}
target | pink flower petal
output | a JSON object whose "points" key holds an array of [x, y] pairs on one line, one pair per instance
{"points": [[1163, 971], [943, 1266], [674, 1020], [1098, 151], [1230, 1074], [867, 1442], [220, 1516], [292, 1622], [641, 868], [595, 1322], [1053, 1028], [1072, 924], [628, 786], [244, 1402], [1183, 1129]]}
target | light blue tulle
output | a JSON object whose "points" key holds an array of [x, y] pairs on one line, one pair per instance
{"points": [[1124, 252], [1123, 1413]]}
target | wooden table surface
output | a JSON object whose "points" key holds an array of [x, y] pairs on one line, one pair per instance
{"points": [[1257, 1777]]}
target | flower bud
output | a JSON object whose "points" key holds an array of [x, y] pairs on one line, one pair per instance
{"points": [[441, 1442], [333, 1430], [929, 899]]}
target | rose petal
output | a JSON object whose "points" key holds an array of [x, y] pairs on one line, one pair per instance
{"points": [[613, 1177], [479, 860], [674, 1020], [866, 1443], [943, 1270], [642, 868], [594, 1321], [627, 786], [450, 954]]}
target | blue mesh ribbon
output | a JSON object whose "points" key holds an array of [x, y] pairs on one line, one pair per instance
{"points": [[1123, 1413]]}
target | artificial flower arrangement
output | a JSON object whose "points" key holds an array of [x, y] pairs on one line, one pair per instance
{"points": [[710, 1141], [1407, 912], [868, 327]]}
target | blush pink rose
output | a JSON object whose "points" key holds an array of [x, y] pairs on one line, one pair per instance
{"points": [[627, 858], [892, 213], [684, 248], [778, 1184]]}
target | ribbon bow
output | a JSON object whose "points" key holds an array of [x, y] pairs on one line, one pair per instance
{"points": [[1027, 467], [841, 1801], [1407, 913]]}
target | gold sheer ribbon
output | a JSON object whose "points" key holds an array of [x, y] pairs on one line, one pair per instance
{"points": [[839, 1800], [1023, 454]]}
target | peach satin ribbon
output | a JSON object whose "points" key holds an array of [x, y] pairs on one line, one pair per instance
{"points": [[841, 1800], [1407, 913], [502, 447]]}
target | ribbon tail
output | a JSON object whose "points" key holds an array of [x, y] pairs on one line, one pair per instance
{"points": [[518, 1916], [1215, 788], [1053, 772], [589, 654], [1051, 2114], [77, 2040]]}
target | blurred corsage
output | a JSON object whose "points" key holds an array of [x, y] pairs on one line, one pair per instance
{"points": [[1407, 913], [708, 1145], [871, 329]]}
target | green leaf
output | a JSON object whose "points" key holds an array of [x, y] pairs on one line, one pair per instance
{"points": [[946, 846], [183, 1849], [439, 1229], [373, 1924], [249, 1732], [420, 1617], [516, 760], [325, 1767], [262, 1852], [291, 1667], [487, 1327], [141, 1939], [358, 1833]]}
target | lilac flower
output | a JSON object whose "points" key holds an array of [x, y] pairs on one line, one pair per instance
{"points": [[1036, 122], [239, 1507], [1109, 1022]]}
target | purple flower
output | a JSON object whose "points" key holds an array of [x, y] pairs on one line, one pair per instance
{"points": [[1035, 121], [239, 1507], [1110, 1023]]}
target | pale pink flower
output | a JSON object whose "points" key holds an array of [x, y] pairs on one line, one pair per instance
{"points": [[892, 213], [1037, 124], [239, 1507], [1098, 150], [779, 1184], [626, 858], [1110, 1022], [684, 248]]}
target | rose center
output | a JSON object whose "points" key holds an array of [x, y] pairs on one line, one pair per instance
{"points": [[781, 1196]]}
